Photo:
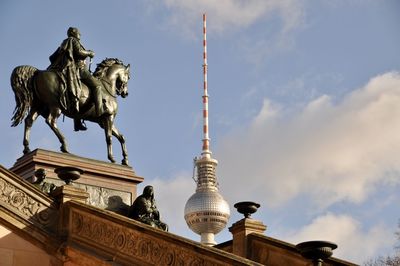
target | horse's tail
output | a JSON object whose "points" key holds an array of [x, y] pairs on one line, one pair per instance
{"points": [[21, 82]]}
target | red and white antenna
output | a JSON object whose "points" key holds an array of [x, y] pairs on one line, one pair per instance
{"points": [[206, 140], [206, 211]]}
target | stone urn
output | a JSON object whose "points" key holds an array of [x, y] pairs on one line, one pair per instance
{"points": [[316, 250], [68, 173], [246, 208]]}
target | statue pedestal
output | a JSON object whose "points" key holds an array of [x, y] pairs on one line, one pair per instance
{"points": [[110, 186]]}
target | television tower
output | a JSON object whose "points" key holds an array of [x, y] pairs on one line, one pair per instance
{"points": [[206, 212]]}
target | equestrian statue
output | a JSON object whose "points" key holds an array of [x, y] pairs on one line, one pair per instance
{"points": [[67, 87]]}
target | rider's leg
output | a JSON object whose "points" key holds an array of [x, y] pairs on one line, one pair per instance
{"points": [[95, 88], [74, 96], [98, 101], [78, 125]]}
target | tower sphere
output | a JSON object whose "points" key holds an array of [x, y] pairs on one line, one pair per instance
{"points": [[206, 212]]}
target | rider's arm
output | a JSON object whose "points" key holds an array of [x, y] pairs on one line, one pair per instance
{"points": [[80, 51]]}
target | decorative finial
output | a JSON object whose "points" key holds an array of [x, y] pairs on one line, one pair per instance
{"points": [[68, 173], [317, 250], [246, 208]]}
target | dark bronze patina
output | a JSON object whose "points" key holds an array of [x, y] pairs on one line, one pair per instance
{"points": [[68, 88], [68, 173], [69, 59], [316, 251], [41, 183], [246, 208], [144, 210]]}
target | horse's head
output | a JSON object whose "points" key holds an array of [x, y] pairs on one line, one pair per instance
{"points": [[122, 81], [113, 70]]}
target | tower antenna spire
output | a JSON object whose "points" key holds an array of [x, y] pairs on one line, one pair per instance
{"points": [[206, 139], [206, 211]]}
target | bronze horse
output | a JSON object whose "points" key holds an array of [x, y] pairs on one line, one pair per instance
{"points": [[40, 92]]}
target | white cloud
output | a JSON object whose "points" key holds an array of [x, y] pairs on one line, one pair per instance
{"points": [[354, 243], [280, 19], [268, 111], [330, 151], [230, 15]]}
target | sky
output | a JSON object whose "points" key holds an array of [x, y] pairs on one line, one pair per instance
{"points": [[304, 106]]}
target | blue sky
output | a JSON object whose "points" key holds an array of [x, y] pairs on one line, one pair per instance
{"points": [[304, 106]]}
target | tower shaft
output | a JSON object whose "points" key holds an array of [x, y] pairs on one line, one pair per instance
{"points": [[206, 139]]}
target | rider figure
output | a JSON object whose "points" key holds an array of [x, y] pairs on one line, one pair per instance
{"points": [[69, 59]]}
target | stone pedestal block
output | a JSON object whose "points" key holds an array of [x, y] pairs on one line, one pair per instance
{"points": [[240, 230], [68, 192], [110, 186]]}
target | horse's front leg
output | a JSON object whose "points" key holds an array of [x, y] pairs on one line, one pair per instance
{"points": [[51, 121], [107, 125], [33, 114], [121, 139]]}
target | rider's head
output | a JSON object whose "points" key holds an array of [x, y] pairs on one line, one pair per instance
{"points": [[73, 32]]}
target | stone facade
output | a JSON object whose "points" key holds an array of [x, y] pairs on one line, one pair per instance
{"points": [[127, 242]]}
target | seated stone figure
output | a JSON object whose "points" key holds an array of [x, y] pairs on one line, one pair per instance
{"points": [[41, 183], [144, 210]]}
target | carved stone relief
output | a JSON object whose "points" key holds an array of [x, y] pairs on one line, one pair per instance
{"points": [[140, 246], [12, 197], [103, 198]]}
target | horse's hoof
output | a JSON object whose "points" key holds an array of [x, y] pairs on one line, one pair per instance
{"points": [[64, 150], [125, 162], [112, 160], [26, 150]]}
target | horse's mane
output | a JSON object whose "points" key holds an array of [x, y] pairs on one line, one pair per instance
{"points": [[101, 68]]}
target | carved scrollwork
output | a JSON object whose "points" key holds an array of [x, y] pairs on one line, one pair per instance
{"points": [[131, 246], [77, 222], [119, 241], [32, 207], [144, 248], [2, 185], [156, 252], [5, 191], [27, 206], [45, 216], [135, 244], [168, 258], [17, 199]]}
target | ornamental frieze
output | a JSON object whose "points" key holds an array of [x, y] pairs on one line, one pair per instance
{"points": [[22, 204], [118, 239]]}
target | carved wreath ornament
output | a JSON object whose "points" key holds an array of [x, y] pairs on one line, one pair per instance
{"points": [[17, 200]]}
